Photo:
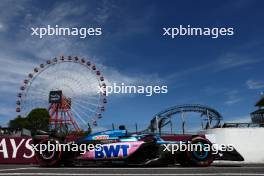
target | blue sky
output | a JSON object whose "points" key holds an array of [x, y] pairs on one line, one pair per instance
{"points": [[224, 73]]}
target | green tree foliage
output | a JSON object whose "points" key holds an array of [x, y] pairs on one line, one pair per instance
{"points": [[19, 122], [37, 119]]}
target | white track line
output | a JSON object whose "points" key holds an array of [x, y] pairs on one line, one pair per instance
{"points": [[140, 168], [15, 169], [67, 174]]}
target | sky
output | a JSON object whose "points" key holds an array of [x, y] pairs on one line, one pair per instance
{"points": [[224, 73]]}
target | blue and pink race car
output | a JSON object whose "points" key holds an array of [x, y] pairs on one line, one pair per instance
{"points": [[119, 147]]}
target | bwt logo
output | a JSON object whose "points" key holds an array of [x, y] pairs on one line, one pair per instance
{"points": [[111, 151], [13, 148]]}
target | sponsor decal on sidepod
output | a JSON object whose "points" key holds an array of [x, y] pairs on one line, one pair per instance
{"points": [[114, 150]]}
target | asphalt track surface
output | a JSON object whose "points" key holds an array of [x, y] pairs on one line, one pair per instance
{"points": [[173, 170]]}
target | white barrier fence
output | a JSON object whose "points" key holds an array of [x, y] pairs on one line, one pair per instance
{"points": [[249, 142]]}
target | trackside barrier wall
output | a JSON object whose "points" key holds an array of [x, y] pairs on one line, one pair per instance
{"points": [[16, 150], [247, 141]]}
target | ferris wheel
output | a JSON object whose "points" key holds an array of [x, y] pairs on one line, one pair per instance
{"points": [[69, 88]]}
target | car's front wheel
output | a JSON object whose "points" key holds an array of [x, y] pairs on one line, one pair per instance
{"points": [[52, 155]]}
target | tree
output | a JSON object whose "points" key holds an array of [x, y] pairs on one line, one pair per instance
{"points": [[37, 119], [19, 122]]}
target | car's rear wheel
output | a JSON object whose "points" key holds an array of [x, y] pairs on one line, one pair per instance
{"points": [[49, 158], [202, 155], [197, 157]]}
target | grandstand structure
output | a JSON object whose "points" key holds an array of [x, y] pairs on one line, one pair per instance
{"points": [[258, 115]]}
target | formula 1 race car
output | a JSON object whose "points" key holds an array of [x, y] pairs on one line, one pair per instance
{"points": [[119, 147]]}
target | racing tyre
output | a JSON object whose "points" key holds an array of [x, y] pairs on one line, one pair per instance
{"points": [[49, 158], [202, 157]]}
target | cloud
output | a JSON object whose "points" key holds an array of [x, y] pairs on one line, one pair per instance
{"points": [[23, 53], [241, 119], [61, 11], [9, 11], [5, 110], [233, 60], [232, 97], [13, 71], [225, 62], [40, 50], [115, 76], [210, 90], [232, 101], [2, 27], [71, 14], [254, 84]]}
